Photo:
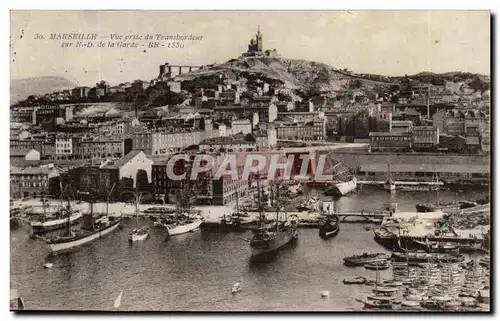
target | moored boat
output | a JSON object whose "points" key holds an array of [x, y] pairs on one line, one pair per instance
{"points": [[138, 234], [270, 238], [330, 227], [92, 229], [437, 247], [81, 237], [377, 302], [410, 305], [158, 210], [385, 237], [55, 221], [184, 225], [342, 188], [311, 204], [445, 207], [355, 280], [422, 257], [365, 258]]}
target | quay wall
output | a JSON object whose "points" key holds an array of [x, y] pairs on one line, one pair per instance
{"points": [[356, 159], [454, 169]]}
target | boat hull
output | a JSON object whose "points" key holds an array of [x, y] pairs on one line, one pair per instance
{"points": [[281, 240], [427, 257], [66, 246], [328, 232], [137, 237], [181, 229], [341, 189], [41, 227], [360, 261], [454, 207]]}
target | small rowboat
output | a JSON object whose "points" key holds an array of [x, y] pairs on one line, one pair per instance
{"points": [[236, 288]]}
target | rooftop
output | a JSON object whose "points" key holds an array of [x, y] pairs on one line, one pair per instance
{"points": [[402, 122], [424, 128], [14, 152], [230, 140], [31, 170], [122, 161], [388, 134]]}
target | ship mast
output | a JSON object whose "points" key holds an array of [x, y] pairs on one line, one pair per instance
{"points": [[43, 202], [68, 211], [237, 206], [69, 216], [137, 200], [91, 201], [277, 208], [437, 189], [107, 199], [259, 199]]}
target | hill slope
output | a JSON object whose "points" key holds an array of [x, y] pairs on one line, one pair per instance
{"points": [[314, 78], [22, 88]]}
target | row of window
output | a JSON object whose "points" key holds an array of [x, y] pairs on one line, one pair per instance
{"points": [[427, 174], [29, 177], [33, 184], [392, 138]]}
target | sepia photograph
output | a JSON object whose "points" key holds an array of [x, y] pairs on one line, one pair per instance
{"points": [[250, 161]]}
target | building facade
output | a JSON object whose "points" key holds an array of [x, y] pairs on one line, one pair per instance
{"points": [[33, 182], [310, 130]]}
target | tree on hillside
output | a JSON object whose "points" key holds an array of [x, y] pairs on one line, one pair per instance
{"points": [[355, 84], [101, 84]]}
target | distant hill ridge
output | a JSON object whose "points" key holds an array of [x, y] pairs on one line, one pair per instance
{"points": [[315, 77], [22, 88], [305, 78]]}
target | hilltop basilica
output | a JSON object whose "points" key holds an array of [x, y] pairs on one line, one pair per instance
{"points": [[255, 48]]}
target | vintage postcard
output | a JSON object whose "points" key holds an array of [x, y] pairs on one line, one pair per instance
{"points": [[250, 160]]}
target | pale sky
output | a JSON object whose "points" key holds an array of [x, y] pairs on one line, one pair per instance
{"points": [[379, 42]]}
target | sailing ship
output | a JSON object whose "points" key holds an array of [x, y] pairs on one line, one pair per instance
{"points": [[440, 206], [186, 218], [138, 234], [269, 238], [344, 179], [56, 220], [343, 188], [382, 297], [93, 228]]}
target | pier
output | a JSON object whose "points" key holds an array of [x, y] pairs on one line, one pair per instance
{"points": [[463, 240]]}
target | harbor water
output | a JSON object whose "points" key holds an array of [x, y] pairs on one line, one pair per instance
{"points": [[195, 271]]}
